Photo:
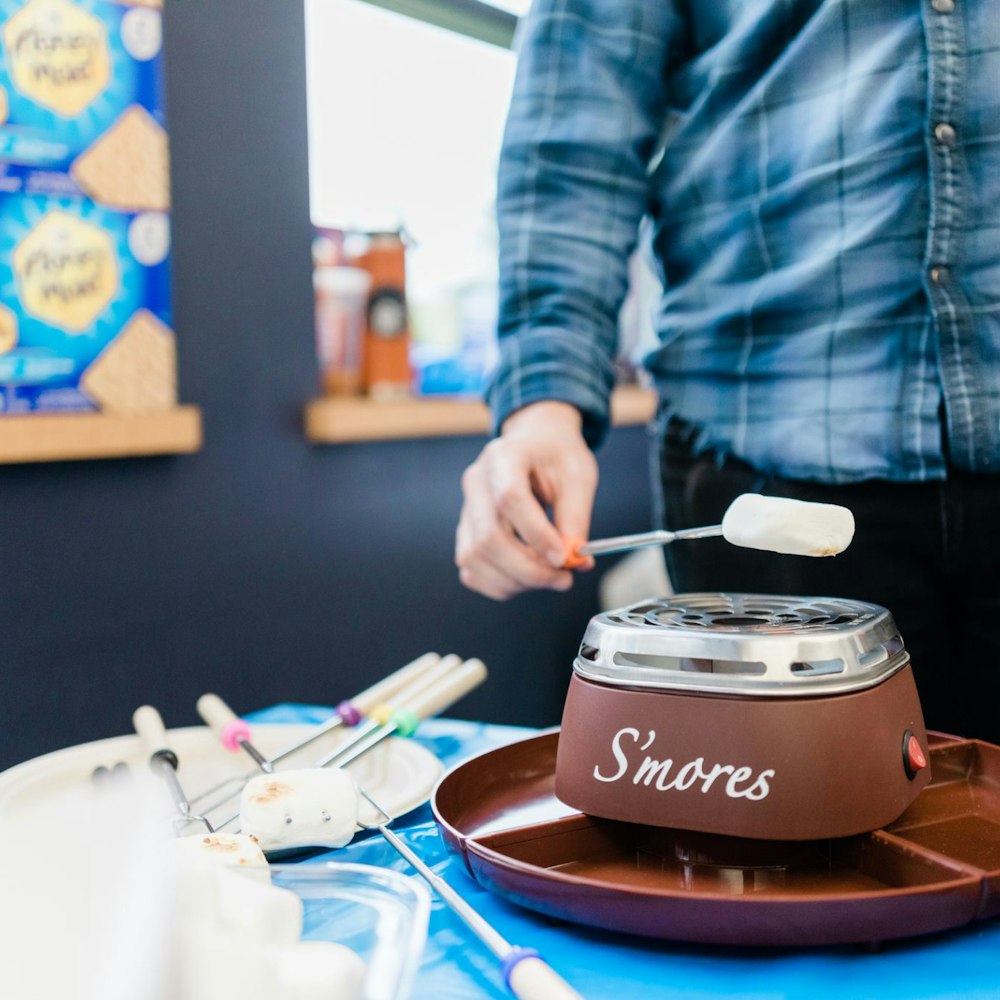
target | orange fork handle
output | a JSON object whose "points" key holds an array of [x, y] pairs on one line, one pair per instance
{"points": [[574, 559]]}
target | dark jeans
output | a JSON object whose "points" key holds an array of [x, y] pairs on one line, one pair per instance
{"points": [[929, 552]]}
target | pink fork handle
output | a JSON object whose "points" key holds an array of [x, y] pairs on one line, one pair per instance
{"points": [[233, 732]]}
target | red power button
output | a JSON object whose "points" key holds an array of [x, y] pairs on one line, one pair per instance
{"points": [[914, 758]]}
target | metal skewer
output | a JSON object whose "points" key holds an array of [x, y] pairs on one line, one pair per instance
{"points": [[526, 974], [149, 725], [575, 549], [753, 521]]}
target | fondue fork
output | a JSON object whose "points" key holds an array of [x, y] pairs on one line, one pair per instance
{"points": [[162, 760], [405, 720], [368, 701], [436, 698], [773, 524], [380, 714], [525, 972], [577, 549], [394, 713], [347, 713]]}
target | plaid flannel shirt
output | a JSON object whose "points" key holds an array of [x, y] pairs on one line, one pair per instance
{"points": [[823, 181]]}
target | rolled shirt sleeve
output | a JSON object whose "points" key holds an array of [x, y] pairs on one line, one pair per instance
{"points": [[587, 111]]}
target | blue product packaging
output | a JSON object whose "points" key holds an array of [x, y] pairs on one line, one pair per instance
{"points": [[84, 307], [70, 70]]}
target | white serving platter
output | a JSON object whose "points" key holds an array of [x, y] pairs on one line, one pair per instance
{"points": [[399, 774]]}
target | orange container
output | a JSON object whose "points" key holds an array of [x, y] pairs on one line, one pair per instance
{"points": [[386, 354]]}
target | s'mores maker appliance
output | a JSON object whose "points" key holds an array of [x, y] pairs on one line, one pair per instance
{"points": [[868, 829], [768, 717]]}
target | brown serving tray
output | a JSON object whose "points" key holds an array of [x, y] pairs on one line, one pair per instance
{"points": [[937, 867]]}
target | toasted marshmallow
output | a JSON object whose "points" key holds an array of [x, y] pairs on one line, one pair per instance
{"points": [[311, 807], [224, 849], [794, 527]]}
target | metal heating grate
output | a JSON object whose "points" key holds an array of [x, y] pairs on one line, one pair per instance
{"points": [[743, 644]]}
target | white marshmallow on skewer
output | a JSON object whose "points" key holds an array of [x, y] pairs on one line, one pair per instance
{"points": [[794, 527], [309, 807], [317, 970]]}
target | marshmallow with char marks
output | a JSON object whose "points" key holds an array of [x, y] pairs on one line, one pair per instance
{"points": [[310, 807]]}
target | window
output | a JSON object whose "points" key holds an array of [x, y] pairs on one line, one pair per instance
{"points": [[405, 122], [406, 114]]}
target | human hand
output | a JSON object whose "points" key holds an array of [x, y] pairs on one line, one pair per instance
{"points": [[505, 542]]}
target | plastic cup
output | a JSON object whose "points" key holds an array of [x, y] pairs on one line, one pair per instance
{"points": [[341, 306]]}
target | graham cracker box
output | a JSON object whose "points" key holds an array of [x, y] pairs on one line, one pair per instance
{"points": [[84, 307], [76, 77], [84, 203]]}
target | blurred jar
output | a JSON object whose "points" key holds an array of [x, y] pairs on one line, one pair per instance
{"points": [[341, 312]]}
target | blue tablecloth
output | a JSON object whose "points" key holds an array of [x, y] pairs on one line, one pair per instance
{"points": [[962, 964]]}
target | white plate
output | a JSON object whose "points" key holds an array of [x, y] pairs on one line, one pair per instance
{"points": [[398, 774]]}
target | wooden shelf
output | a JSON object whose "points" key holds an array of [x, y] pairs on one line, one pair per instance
{"points": [[341, 419], [60, 437]]}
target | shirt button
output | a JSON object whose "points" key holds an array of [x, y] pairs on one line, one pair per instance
{"points": [[945, 134], [943, 6], [940, 275]]}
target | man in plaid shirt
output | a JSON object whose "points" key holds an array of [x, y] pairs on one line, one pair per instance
{"points": [[823, 183]]}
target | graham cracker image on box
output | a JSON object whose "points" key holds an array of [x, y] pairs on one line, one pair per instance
{"points": [[137, 371], [128, 166], [139, 3]]}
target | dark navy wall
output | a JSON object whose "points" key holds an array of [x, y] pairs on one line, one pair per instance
{"points": [[263, 568]]}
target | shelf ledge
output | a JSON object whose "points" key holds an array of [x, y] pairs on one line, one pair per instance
{"points": [[343, 419], [62, 437]]}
